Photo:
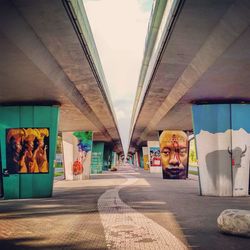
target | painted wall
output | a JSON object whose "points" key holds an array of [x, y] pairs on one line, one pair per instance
{"points": [[29, 185], [97, 157], [145, 158], [141, 158], [77, 149], [222, 133], [154, 157], [107, 157]]}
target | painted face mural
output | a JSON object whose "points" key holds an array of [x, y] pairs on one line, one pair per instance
{"points": [[174, 154], [26, 150]]}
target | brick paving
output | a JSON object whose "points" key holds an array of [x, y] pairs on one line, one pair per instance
{"points": [[127, 209], [127, 229]]}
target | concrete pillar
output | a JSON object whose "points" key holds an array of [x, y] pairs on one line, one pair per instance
{"points": [[28, 137], [138, 159], [97, 158], [154, 157], [145, 158], [222, 134], [77, 148]]}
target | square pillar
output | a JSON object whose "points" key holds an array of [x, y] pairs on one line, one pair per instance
{"points": [[222, 134], [97, 158], [77, 149], [28, 137], [154, 157]]}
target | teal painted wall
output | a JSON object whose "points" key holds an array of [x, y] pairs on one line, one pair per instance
{"points": [[97, 157], [107, 158], [23, 185]]}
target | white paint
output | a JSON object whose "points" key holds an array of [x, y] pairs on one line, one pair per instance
{"points": [[68, 158], [224, 186]]}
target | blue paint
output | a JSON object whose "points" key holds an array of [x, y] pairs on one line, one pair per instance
{"points": [[241, 117], [214, 118], [218, 118]]}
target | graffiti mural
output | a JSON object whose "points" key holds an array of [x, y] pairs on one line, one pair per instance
{"points": [[222, 134], [27, 150], [174, 154], [155, 157], [84, 145]]}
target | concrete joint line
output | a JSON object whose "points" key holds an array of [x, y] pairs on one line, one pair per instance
{"points": [[125, 228]]}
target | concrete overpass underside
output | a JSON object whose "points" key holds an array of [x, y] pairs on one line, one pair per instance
{"points": [[45, 60], [203, 56]]}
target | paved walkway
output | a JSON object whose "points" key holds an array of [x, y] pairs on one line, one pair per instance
{"points": [[127, 229], [127, 209]]}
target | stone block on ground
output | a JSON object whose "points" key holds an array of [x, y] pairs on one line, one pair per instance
{"points": [[235, 221]]}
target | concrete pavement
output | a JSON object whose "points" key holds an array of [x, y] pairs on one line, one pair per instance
{"points": [[127, 209]]}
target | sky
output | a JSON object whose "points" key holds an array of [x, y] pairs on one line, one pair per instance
{"points": [[119, 28]]}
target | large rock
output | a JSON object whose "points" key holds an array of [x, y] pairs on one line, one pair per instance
{"points": [[235, 221]]}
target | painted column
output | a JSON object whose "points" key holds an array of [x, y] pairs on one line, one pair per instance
{"points": [[154, 157], [107, 157], [28, 137], [141, 158], [145, 158], [222, 133], [97, 157], [77, 148], [138, 160]]}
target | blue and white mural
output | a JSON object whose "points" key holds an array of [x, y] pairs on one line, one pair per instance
{"points": [[222, 133]]}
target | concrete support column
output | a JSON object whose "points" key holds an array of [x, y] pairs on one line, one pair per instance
{"points": [[222, 134], [145, 158], [154, 157], [77, 148], [28, 137], [97, 158]]}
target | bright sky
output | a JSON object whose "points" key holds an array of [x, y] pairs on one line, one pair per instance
{"points": [[119, 28]]}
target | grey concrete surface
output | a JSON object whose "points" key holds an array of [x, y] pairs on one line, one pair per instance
{"points": [[43, 62], [196, 215], [204, 58]]}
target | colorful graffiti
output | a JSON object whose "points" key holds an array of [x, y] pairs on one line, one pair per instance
{"points": [[84, 146], [155, 157], [174, 154], [27, 150]]}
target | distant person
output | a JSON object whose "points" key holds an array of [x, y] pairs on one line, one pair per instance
{"points": [[174, 154]]}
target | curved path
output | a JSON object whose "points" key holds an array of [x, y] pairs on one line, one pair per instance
{"points": [[125, 228]]}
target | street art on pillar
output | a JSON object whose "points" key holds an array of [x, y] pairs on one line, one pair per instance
{"points": [[84, 145], [145, 158], [222, 133], [155, 156], [77, 148], [174, 154], [27, 150]]}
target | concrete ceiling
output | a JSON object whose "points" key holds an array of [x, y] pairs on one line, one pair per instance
{"points": [[43, 62], [205, 58]]}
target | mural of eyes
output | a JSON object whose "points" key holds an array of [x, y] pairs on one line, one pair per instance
{"points": [[166, 151], [183, 151]]}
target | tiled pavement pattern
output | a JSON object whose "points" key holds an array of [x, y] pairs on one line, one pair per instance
{"points": [[127, 229], [68, 220]]}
